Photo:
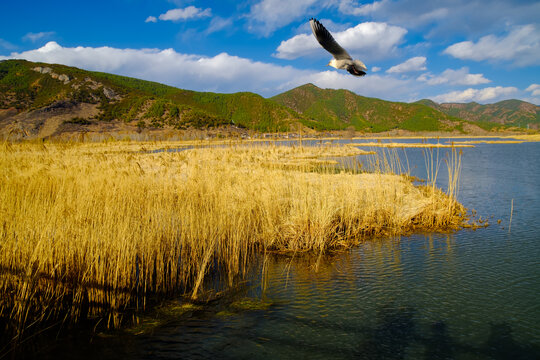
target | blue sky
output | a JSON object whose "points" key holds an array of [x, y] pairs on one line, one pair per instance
{"points": [[445, 50]]}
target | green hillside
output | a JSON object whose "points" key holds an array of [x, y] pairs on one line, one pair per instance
{"points": [[28, 86], [341, 109], [49, 99], [503, 113]]}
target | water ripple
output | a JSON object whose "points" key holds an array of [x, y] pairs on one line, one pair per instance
{"points": [[472, 294]]}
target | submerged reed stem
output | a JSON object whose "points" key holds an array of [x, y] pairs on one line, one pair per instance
{"points": [[511, 213]]}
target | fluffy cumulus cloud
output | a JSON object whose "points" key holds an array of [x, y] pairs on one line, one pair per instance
{"points": [[454, 77], [488, 94], [534, 94], [179, 14], [369, 40], [534, 89], [520, 46], [297, 46], [417, 63]]}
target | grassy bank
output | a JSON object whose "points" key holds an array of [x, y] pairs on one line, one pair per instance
{"points": [[88, 230]]}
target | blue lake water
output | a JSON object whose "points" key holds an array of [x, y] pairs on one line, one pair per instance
{"points": [[473, 294]]}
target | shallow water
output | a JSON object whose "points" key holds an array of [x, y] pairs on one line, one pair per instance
{"points": [[470, 294]]}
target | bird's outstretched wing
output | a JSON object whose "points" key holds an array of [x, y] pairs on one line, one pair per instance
{"points": [[326, 40]]}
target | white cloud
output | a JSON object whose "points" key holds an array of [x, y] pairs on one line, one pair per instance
{"points": [[33, 37], [190, 12], [368, 40], [534, 89], [478, 95], [298, 45], [409, 13], [218, 23], [350, 7], [268, 15], [151, 19], [520, 46], [440, 18], [448, 18], [454, 77], [375, 69], [433, 15], [417, 63], [532, 100]]}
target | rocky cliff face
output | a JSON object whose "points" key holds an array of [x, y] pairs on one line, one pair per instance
{"points": [[47, 70]]}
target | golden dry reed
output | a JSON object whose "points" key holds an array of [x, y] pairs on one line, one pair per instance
{"points": [[527, 137], [89, 229]]}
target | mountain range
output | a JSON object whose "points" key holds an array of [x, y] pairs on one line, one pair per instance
{"points": [[507, 112], [40, 100]]}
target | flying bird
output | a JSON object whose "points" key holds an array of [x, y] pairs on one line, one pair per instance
{"points": [[342, 59]]}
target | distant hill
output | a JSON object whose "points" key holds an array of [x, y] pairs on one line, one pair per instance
{"points": [[40, 100], [48, 99], [341, 109], [508, 112]]}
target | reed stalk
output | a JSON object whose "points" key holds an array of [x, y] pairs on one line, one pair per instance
{"points": [[89, 230]]}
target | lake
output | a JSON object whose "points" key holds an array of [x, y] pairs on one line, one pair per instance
{"points": [[468, 295]]}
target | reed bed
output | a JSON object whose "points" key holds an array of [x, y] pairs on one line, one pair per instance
{"points": [[527, 137], [88, 230]]}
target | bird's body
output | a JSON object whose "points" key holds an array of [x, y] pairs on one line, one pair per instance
{"points": [[342, 59]]}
